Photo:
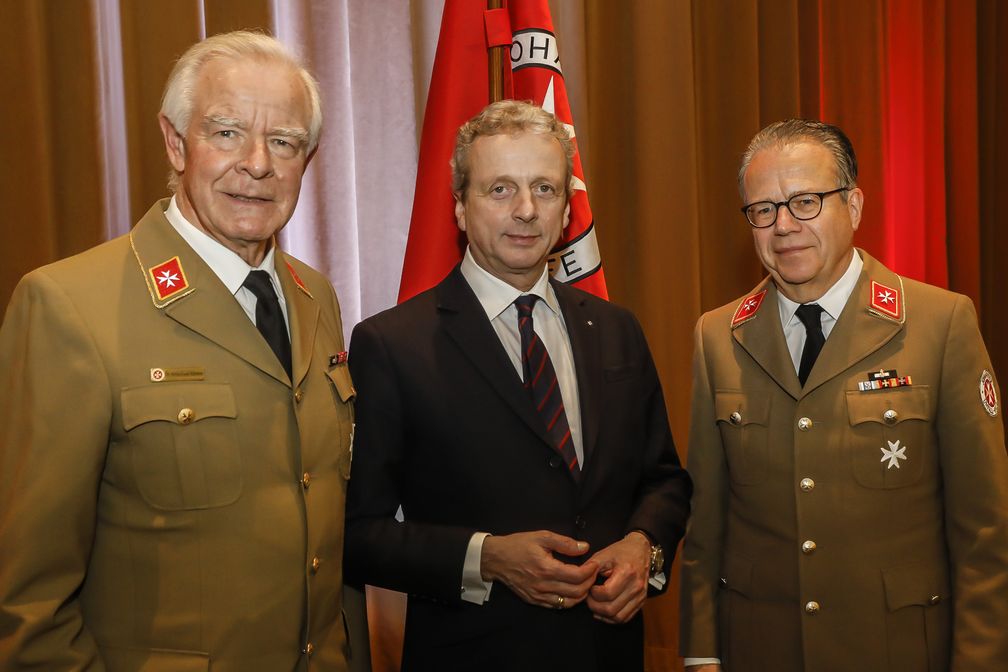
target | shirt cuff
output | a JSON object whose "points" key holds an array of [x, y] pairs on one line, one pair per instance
{"points": [[701, 661], [474, 588]]}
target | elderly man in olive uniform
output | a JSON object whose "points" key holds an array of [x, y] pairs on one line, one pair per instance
{"points": [[851, 502], [176, 415]]}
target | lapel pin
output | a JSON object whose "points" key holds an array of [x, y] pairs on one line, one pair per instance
{"points": [[590, 323], [338, 358]]}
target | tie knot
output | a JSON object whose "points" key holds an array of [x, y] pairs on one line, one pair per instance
{"points": [[258, 282], [809, 314], [525, 304]]}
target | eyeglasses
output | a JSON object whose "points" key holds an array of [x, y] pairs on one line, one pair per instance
{"points": [[762, 214]]}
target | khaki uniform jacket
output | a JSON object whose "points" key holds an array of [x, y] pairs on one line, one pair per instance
{"points": [[806, 550], [170, 525]]}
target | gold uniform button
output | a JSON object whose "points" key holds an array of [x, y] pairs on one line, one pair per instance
{"points": [[890, 417], [315, 562], [306, 480], [298, 395], [309, 649], [812, 607], [804, 424], [934, 599], [186, 415], [806, 484], [808, 547], [735, 418]]}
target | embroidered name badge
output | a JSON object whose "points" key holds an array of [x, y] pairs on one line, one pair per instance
{"points": [[169, 278], [160, 375], [988, 395], [747, 309]]}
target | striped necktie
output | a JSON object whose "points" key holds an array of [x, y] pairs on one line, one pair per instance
{"points": [[542, 385]]}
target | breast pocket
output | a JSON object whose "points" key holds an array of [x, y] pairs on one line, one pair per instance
{"points": [[891, 436], [184, 444], [742, 419], [343, 395]]}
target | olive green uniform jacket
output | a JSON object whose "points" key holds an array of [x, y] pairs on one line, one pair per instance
{"points": [[178, 520], [809, 548]]}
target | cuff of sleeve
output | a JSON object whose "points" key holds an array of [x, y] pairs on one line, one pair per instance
{"points": [[701, 661], [474, 588]]}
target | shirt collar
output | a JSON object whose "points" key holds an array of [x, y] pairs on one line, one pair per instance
{"points": [[835, 298], [226, 265], [496, 296]]}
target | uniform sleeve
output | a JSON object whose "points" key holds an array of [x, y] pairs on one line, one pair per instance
{"points": [[54, 423], [975, 476], [410, 556], [704, 536]]}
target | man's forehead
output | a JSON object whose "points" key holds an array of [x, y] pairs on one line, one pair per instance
{"points": [[518, 152]]}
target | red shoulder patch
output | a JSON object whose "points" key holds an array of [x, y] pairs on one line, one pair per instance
{"points": [[747, 308], [886, 301], [168, 278]]}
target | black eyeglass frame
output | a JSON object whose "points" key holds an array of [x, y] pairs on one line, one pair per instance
{"points": [[821, 194]]}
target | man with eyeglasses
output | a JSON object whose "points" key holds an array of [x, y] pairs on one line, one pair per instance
{"points": [[850, 509]]}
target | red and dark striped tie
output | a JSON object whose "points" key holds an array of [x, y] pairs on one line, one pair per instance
{"points": [[542, 385]]}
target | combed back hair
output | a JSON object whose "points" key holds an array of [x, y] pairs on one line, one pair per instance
{"points": [[508, 117], [793, 131], [177, 100]]}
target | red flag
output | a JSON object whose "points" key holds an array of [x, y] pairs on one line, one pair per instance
{"points": [[537, 76], [458, 90]]}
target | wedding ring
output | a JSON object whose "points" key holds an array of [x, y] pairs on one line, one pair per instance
{"points": [[560, 602]]}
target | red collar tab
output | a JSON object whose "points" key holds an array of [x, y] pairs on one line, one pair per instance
{"points": [[747, 308], [886, 301], [297, 278], [168, 279]]}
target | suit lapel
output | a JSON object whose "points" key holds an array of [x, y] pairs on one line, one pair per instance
{"points": [[763, 338], [465, 322], [582, 331], [858, 332], [302, 311], [207, 308]]}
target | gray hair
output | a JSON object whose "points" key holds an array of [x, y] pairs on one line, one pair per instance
{"points": [[177, 100], [508, 117], [792, 131]]}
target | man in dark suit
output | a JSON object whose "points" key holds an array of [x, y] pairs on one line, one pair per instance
{"points": [[520, 425]]}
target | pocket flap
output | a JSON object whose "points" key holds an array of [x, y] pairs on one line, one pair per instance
{"points": [[739, 408], [909, 403], [920, 584], [340, 377], [165, 401]]}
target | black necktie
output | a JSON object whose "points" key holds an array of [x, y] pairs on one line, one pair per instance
{"points": [[814, 339], [542, 385], [269, 319]]}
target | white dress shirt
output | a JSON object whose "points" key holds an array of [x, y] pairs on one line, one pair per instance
{"points": [[226, 265], [497, 298], [832, 303]]}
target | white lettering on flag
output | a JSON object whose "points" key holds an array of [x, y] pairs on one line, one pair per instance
{"points": [[534, 47]]}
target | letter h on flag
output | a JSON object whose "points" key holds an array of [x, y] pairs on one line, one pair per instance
{"points": [[459, 89]]}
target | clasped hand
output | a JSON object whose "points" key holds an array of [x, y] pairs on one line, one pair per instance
{"points": [[526, 563]]}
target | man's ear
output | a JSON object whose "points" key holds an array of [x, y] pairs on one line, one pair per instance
{"points": [[855, 202], [174, 145], [566, 215], [459, 210]]}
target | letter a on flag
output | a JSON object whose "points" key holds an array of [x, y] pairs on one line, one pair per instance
{"points": [[459, 89]]}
